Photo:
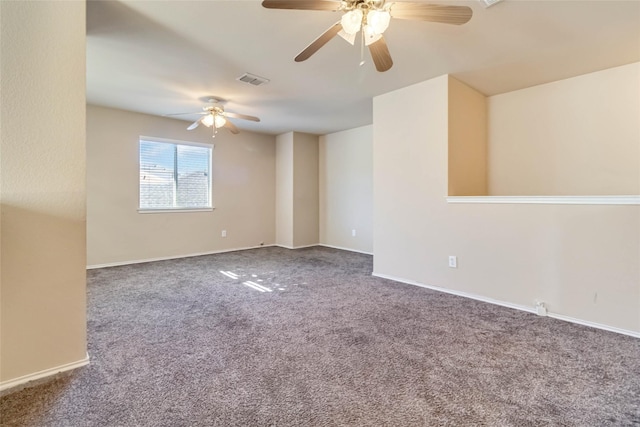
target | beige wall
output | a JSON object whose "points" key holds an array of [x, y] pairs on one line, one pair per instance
{"points": [[297, 208], [306, 221], [346, 189], [579, 136], [243, 191], [409, 178], [284, 190], [42, 312], [583, 261], [467, 140]]}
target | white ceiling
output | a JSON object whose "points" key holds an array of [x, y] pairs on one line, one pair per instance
{"points": [[161, 57]]}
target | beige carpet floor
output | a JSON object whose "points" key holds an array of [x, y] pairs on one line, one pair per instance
{"points": [[273, 337]]}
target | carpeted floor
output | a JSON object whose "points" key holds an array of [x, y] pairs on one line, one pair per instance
{"points": [[273, 337]]}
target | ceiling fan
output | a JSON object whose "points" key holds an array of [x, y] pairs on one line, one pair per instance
{"points": [[372, 17], [215, 117]]}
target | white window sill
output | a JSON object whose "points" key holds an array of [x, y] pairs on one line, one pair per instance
{"points": [[154, 211], [549, 200]]}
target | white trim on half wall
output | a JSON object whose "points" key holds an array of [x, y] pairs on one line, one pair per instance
{"points": [[549, 200]]}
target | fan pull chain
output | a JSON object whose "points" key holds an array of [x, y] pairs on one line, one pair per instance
{"points": [[362, 50]]}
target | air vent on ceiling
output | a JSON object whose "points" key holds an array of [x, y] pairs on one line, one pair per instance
{"points": [[488, 3], [252, 79]]}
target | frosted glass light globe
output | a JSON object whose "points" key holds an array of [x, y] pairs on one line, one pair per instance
{"points": [[378, 20], [352, 21], [219, 120], [208, 120]]}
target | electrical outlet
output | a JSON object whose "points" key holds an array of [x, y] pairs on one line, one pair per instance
{"points": [[224, 233], [453, 261], [353, 233], [541, 308]]}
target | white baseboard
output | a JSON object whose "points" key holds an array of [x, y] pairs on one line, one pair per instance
{"points": [[513, 306], [459, 293], [324, 246], [5, 385], [140, 261], [295, 247], [594, 325], [345, 249]]}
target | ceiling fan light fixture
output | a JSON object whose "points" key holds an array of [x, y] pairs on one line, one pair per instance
{"points": [[208, 120], [352, 21], [489, 3], [350, 38], [370, 36], [373, 18], [378, 21], [213, 115], [219, 120]]}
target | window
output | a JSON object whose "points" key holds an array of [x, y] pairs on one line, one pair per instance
{"points": [[174, 175]]}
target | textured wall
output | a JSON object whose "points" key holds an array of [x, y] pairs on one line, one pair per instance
{"points": [[297, 201], [467, 140], [583, 261], [305, 190], [43, 283], [284, 190], [576, 136], [243, 191], [346, 189]]}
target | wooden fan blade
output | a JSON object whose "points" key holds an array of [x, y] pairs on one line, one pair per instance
{"points": [[381, 56], [319, 42], [456, 15], [195, 124], [302, 4], [241, 116], [232, 128]]}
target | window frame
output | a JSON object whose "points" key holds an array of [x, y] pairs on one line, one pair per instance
{"points": [[177, 142]]}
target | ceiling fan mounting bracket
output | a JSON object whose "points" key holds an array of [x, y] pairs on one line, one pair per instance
{"points": [[364, 5], [214, 109], [212, 99]]}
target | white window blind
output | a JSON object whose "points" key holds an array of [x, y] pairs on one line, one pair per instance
{"points": [[174, 175]]}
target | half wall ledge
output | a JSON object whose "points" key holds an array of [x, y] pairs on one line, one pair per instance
{"points": [[549, 200]]}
